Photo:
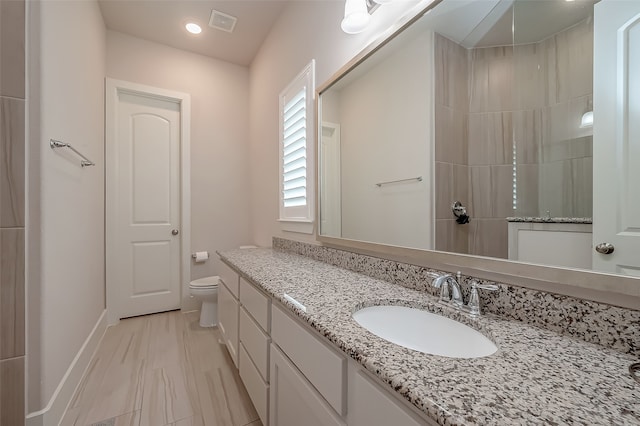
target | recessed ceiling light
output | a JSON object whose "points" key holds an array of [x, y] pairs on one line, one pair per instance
{"points": [[193, 28]]}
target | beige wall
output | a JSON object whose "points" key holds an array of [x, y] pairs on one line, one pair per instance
{"points": [[219, 137], [382, 141], [66, 227], [12, 213], [305, 31]]}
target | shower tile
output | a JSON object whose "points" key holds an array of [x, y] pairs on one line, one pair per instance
{"points": [[490, 138], [500, 84], [582, 185], [451, 135], [552, 188], [443, 188], [528, 76], [569, 149], [491, 79], [12, 302], [555, 124], [450, 73], [566, 187], [527, 190], [548, 51], [489, 238], [12, 407], [451, 184], [480, 205], [12, 48], [574, 61], [502, 191], [12, 143], [478, 84], [527, 134], [491, 191], [452, 237]]}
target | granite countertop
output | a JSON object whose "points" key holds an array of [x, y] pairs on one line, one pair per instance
{"points": [[536, 377], [546, 219]]}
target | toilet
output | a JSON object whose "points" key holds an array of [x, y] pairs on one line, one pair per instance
{"points": [[206, 289]]}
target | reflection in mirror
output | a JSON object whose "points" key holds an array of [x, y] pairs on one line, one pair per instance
{"points": [[480, 102]]}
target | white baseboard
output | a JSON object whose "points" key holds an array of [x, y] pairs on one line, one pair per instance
{"points": [[51, 415]]}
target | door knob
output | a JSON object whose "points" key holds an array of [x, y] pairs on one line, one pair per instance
{"points": [[605, 248], [175, 232]]}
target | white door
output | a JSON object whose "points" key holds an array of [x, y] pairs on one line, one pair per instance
{"points": [[143, 203], [616, 135], [330, 196]]}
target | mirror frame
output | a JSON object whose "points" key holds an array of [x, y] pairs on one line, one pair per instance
{"points": [[617, 290]]}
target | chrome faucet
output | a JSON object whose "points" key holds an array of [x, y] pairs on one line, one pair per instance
{"points": [[454, 296], [443, 282]]}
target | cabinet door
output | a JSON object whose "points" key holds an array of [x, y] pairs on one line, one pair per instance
{"points": [[369, 404], [228, 321], [293, 400]]}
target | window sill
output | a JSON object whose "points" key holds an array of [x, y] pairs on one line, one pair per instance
{"points": [[302, 226]]}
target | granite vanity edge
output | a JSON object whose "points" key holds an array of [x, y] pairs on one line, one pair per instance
{"points": [[533, 219], [592, 322]]}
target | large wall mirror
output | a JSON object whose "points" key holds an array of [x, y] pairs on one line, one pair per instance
{"points": [[471, 131]]}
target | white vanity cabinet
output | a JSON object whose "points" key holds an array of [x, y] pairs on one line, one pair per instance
{"points": [[293, 375], [255, 325], [228, 309]]}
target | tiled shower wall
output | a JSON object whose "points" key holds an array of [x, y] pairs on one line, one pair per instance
{"points": [[505, 110], [12, 214], [451, 148]]}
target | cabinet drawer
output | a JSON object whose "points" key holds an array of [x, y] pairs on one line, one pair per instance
{"points": [[293, 400], [228, 321], [256, 303], [257, 389], [230, 278], [321, 365], [256, 342]]}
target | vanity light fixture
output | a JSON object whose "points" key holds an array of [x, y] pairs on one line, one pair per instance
{"points": [[586, 120], [356, 16], [193, 28]]}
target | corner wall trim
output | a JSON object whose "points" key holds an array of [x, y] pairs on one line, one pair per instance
{"points": [[51, 415]]}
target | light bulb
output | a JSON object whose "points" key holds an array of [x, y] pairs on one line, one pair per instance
{"points": [[193, 28], [356, 16], [586, 120]]}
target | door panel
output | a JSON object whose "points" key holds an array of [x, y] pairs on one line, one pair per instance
{"points": [[616, 135], [151, 139], [148, 204], [147, 278]]}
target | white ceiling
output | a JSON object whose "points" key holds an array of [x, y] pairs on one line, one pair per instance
{"points": [[163, 21]]}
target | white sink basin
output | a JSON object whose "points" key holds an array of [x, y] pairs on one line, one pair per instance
{"points": [[424, 331]]}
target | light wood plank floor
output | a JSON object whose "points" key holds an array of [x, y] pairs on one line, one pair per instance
{"points": [[158, 370]]}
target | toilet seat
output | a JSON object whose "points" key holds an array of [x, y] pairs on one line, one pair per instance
{"points": [[207, 282]]}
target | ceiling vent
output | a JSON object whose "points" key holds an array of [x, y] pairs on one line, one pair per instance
{"points": [[222, 21]]}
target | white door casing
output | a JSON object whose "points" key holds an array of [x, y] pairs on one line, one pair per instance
{"points": [[147, 199], [616, 136]]}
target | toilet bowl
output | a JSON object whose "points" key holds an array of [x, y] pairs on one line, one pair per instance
{"points": [[206, 289]]}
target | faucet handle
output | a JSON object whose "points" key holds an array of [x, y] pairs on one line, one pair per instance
{"points": [[491, 287], [473, 306]]}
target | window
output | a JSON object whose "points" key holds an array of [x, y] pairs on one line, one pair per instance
{"points": [[296, 152]]}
